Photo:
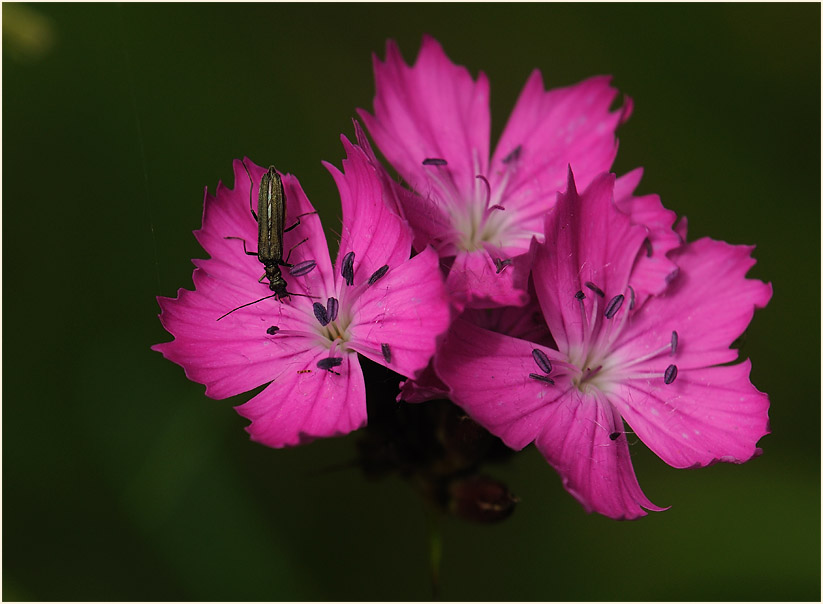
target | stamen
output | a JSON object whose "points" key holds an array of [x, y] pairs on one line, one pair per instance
{"points": [[670, 374], [580, 295], [384, 348], [501, 264], [434, 161], [304, 371], [330, 362], [542, 360], [321, 314], [331, 309], [648, 245], [488, 187], [595, 289], [613, 306], [614, 435], [348, 268], [272, 330], [304, 268], [631, 299], [378, 274], [674, 342], [541, 378], [514, 155]]}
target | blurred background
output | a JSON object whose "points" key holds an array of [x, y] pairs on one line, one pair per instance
{"points": [[122, 481]]}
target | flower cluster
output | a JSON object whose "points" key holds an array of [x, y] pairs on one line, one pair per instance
{"points": [[527, 284]]}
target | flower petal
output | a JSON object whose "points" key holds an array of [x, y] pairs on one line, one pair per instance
{"points": [[596, 469], [710, 303], [431, 110], [653, 270], [371, 230], [474, 282], [704, 416], [233, 355], [407, 309], [299, 407], [588, 240], [488, 376], [548, 131], [227, 215]]}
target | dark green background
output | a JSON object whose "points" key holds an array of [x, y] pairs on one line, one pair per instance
{"points": [[122, 481]]}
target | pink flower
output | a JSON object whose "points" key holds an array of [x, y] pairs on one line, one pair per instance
{"points": [[431, 121], [374, 301], [661, 363]]}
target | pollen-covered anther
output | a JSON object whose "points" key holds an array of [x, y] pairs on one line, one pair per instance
{"points": [[347, 270], [501, 264], [378, 274], [330, 362], [670, 374], [331, 309], [321, 314], [541, 378], [595, 289], [613, 306], [303, 268]]}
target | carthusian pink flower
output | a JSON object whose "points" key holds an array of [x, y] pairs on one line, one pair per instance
{"points": [[480, 210], [660, 362], [374, 301]]}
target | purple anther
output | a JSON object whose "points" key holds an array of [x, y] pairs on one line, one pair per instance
{"points": [[272, 330], [580, 295], [541, 378], [331, 309], [670, 374], [321, 314], [674, 342], [501, 264], [631, 298], [647, 243], [303, 268], [378, 274], [513, 155], [348, 268], [434, 161], [613, 306], [542, 360], [329, 362], [595, 289], [614, 435], [384, 348]]}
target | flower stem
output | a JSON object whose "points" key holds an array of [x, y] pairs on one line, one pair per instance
{"points": [[435, 548]]}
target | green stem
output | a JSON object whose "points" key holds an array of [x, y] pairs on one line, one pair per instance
{"points": [[435, 548]]}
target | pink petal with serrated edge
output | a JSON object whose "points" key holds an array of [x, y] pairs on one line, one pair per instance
{"points": [[587, 240], [595, 469], [709, 304], [431, 110], [300, 407], [488, 376], [704, 416], [371, 230], [406, 309], [553, 129]]}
